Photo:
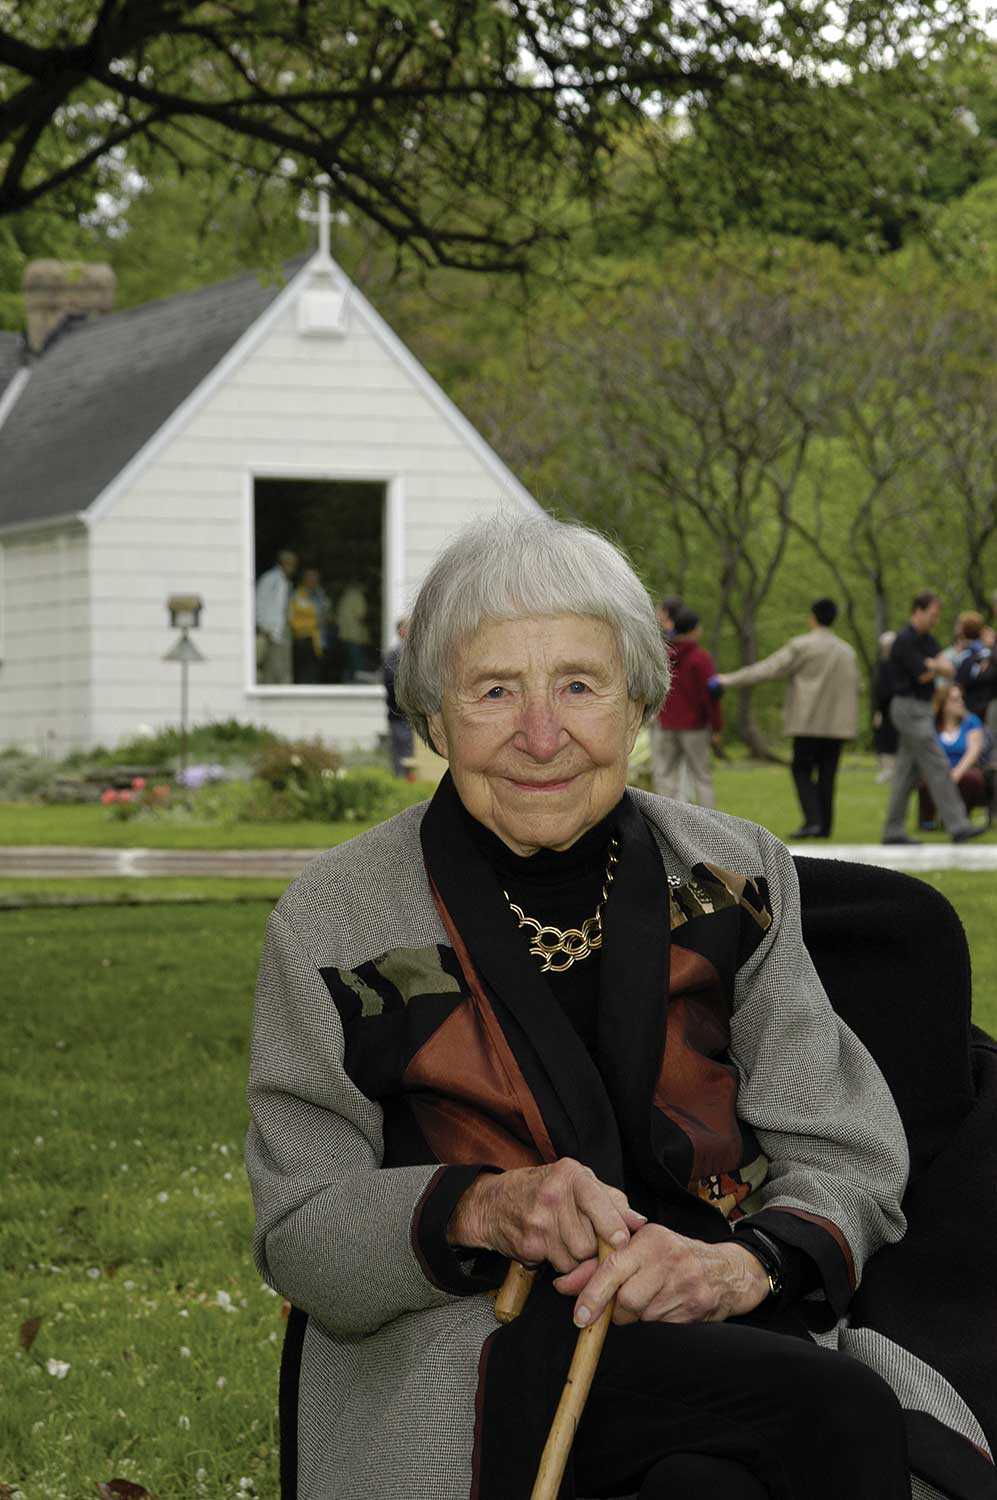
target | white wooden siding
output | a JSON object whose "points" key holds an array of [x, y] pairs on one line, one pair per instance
{"points": [[302, 407], [45, 668]]}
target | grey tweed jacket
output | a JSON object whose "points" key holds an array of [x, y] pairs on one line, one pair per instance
{"points": [[389, 1369]]}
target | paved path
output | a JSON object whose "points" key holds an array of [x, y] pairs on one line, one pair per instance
{"points": [[69, 860]]}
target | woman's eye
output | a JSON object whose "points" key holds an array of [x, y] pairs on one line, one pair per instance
{"points": [[577, 688], [495, 692]]}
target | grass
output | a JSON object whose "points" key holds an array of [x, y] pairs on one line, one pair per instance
{"points": [[125, 890], [127, 1217], [763, 793], [126, 1208], [36, 823]]}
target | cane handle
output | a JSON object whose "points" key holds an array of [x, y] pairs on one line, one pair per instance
{"points": [[514, 1291], [588, 1347]]}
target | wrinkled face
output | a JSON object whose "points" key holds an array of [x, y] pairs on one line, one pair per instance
{"points": [[537, 726]]}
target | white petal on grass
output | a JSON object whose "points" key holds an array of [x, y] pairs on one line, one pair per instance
{"points": [[163, 1197], [93, 1272], [59, 1368], [183, 1423], [221, 1382], [184, 1352]]}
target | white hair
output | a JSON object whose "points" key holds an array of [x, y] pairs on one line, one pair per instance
{"points": [[512, 567]]}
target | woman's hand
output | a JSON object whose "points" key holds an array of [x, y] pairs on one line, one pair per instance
{"points": [[555, 1213], [662, 1277]]}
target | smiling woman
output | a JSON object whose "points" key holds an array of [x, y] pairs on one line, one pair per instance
{"points": [[538, 725], [460, 1059]]}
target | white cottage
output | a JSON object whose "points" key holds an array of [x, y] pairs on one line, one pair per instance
{"points": [[177, 448]]}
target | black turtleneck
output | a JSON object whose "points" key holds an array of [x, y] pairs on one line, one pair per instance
{"points": [[561, 887]]}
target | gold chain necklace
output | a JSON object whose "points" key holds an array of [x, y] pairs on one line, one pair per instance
{"points": [[573, 943]]}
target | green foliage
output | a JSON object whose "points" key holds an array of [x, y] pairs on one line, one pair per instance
{"points": [[286, 764], [24, 776], [367, 794], [224, 741], [485, 135]]}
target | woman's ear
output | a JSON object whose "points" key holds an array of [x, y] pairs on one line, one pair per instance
{"points": [[635, 718], [438, 735]]}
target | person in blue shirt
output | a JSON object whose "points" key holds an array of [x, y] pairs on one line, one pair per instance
{"points": [[965, 744]]}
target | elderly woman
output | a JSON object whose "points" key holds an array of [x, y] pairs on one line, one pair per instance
{"points": [[544, 1010]]}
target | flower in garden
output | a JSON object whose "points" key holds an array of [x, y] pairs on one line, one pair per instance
{"points": [[138, 783], [108, 796], [57, 1367]]}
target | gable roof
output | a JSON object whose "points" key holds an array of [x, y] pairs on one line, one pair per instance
{"points": [[105, 386]]}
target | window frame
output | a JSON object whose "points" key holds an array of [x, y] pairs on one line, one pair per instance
{"points": [[392, 564]]}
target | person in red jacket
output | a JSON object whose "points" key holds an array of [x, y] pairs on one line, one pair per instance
{"points": [[690, 718]]}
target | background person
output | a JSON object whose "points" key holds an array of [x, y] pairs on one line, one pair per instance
{"points": [[400, 737], [682, 734], [666, 611], [884, 735], [308, 615], [963, 739], [273, 635], [354, 632], [916, 660], [820, 710], [459, 1056]]}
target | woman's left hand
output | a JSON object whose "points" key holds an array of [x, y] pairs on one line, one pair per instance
{"points": [[662, 1277]]}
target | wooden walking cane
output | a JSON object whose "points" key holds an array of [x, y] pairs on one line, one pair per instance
{"points": [[554, 1458], [508, 1305]]}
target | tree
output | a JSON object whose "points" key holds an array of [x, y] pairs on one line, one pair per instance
{"points": [[468, 131], [957, 403]]}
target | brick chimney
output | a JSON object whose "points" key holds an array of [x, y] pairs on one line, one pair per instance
{"points": [[55, 289]]}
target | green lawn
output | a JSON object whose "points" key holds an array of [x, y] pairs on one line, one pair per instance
{"points": [[763, 793], [36, 823], [125, 890], [126, 1217]]}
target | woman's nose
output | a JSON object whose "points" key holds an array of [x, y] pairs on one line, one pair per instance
{"points": [[540, 732]]}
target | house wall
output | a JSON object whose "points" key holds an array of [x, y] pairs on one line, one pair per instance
{"points": [[45, 640], [301, 407]]}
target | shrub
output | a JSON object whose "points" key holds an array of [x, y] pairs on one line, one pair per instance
{"points": [[287, 764], [225, 740], [228, 802], [23, 775], [151, 798], [363, 795]]}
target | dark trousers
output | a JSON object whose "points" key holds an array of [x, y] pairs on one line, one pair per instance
{"points": [[737, 1411], [815, 765], [750, 1409]]}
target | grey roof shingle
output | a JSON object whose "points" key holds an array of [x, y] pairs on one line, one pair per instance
{"points": [[106, 386]]}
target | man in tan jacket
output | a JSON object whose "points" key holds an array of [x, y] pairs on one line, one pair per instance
{"points": [[820, 710]]}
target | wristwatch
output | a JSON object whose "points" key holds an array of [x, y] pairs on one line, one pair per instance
{"points": [[768, 1254]]}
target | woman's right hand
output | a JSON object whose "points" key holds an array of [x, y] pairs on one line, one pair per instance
{"points": [[556, 1213]]}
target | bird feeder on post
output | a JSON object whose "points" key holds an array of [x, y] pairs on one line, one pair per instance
{"points": [[185, 616]]}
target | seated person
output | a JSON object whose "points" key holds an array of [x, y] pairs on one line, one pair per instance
{"points": [[545, 1011], [966, 744]]}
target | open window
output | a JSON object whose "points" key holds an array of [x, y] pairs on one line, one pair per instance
{"points": [[319, 562]]}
